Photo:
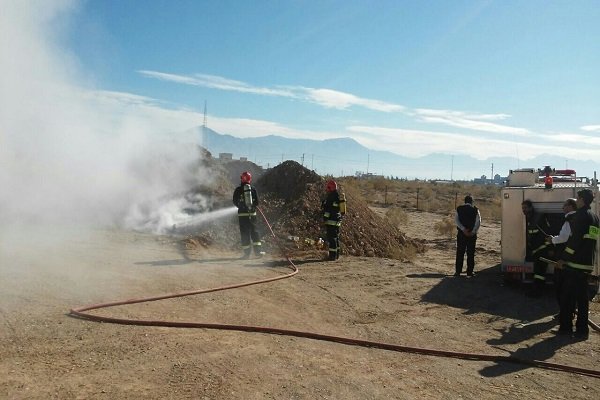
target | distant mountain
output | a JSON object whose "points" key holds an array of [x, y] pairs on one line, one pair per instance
{"points": [[345, 156]]}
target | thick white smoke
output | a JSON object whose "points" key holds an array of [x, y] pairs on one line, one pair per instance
{"points": [[71, 154]]}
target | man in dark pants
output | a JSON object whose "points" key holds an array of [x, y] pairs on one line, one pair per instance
{"points": [[577, 262], [245, 199], [468, 221]]}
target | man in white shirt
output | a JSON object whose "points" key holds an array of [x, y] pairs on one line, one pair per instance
{"points": [[468, 221], [569, 208]]}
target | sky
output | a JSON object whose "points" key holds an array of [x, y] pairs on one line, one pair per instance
{"points": [[480, 78]]}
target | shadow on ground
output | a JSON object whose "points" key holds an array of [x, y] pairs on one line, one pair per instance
{"points": [[487, 292]]}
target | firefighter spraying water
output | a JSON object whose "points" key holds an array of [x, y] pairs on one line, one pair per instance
{"points": [[245, 198]]}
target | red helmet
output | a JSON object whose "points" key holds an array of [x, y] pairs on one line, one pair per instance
{"points": [[246, 177], [331, 186]]}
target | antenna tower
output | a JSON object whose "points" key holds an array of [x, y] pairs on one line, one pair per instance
{"points": [[204, 138]]}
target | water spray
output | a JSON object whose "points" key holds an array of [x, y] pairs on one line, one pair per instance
{"points": [[203, 218]]}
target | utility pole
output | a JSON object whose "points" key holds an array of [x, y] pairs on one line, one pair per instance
{"points": [[452, 170], [492, 177], [204, 133], [303, 159], [368, 161]]}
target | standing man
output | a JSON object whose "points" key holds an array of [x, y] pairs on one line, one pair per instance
{"points": [[468, 221], [578, 263], [536, 226], [559, 242], [334, 208], [245, 199]]}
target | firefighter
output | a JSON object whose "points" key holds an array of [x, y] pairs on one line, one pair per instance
{"points": [[245, 199], [334, 208], [559, 243], [577, 262], [536, 225], [468, 221]]}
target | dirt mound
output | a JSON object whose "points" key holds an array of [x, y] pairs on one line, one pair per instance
{"points": [[291, 197]]}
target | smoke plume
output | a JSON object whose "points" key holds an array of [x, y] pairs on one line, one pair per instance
{"points": [[73, 154]]}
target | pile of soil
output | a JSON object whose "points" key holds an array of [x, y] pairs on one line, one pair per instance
{"points": [[291, 197]]}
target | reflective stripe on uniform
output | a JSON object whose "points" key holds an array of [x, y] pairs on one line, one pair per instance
{"points": [[539, 277], [539, 248], [593, 233], [257, 243], [248, 214], [246, 247], [569, 250], [333, 223], [583, 267], [326, 215], [532, 231]]}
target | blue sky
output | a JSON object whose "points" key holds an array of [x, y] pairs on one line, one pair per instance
{"points": [[478, 78]]}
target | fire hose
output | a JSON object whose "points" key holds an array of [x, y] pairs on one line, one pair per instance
{"points": [[83, 313]]}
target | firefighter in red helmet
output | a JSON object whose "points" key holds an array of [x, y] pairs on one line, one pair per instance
{"points": [[334, 208], [245, 199]]}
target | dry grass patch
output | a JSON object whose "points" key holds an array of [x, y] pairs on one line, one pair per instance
{"points": [[446, 227]]}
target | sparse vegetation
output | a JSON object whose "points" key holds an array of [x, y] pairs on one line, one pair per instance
{"points": [[446, 227], [396, 216], [441, 198]]}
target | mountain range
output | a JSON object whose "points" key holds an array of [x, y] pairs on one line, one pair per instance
{"points": [[346, 157]]}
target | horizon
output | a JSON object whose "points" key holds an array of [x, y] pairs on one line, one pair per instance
{"points": [[454, 168]]}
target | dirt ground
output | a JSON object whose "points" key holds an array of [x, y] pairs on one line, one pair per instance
{"points": [[46, 354]]}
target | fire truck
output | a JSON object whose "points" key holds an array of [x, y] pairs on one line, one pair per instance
{"points": [[547, 189]]}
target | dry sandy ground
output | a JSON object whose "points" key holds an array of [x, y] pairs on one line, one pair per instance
{"points": [[46, 354]]}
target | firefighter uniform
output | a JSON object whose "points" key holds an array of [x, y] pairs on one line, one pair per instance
{"points": [[247, 218], [559, 242], [334, 207], [537, 225], [578, 264]]}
